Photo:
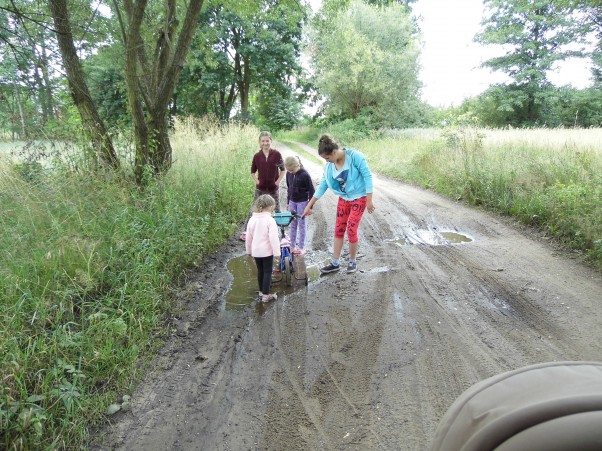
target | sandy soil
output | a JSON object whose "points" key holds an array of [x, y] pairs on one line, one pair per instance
{"points": [[370, 360]]}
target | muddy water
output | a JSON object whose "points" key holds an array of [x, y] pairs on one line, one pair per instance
{"points": [[432, 238], [244, 288], [454, 238]]}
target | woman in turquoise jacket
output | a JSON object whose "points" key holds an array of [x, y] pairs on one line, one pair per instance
{"points": [[347, 174]]}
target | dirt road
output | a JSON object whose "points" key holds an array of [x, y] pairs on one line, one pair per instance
{"points": [[445, 296]]}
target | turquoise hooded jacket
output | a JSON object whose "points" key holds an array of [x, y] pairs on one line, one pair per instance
{"points": [[359, 179]]}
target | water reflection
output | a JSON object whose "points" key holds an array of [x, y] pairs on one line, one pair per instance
{"points": [[243, 290], [455, 238], [431, 237]]}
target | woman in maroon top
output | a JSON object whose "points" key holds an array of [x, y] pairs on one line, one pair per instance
{"points": [[267, 169]]}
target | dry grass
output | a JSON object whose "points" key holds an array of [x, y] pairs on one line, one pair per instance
{"points": [[549, 139], [196, 141]]}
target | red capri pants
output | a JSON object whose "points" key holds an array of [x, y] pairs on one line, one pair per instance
{"points": [[349, 215]]}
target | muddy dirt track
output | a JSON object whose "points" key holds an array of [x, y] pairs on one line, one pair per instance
{"points": [[445, 296]]}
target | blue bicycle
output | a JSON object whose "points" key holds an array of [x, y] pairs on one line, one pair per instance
{"points": [[287, 259]]}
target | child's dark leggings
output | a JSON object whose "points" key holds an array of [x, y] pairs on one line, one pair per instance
{"points": [[264, 273]]}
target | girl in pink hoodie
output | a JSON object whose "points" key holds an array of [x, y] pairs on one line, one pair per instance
{"points": [[263, 243]]}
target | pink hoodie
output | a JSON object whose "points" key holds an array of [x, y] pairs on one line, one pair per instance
{"points": [[262, 235]]}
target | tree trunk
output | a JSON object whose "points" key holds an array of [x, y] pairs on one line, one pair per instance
{"points": [[40, 91], [161, 156], [239, 75], [93, 124], [245, 86], [46, 78], [226, 102], [24, 134], [151, 83]]}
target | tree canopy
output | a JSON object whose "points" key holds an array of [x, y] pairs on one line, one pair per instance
{"points": [[240, 59], [365, 61], [535, 35], [105, 67]]}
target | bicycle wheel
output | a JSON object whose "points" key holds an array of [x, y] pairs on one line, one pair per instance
{"points": [[288, 270]]}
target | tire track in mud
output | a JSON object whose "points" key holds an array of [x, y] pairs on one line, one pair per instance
{"points": [[452, 323], [511, 311], [161, 405], [375, 229], [311, 410], [426, 336], [322, 236], [443, 332], [486, 286], [344, 386], [326, 380]]}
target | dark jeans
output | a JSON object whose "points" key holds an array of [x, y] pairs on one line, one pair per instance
{"points": [[264, 273]]}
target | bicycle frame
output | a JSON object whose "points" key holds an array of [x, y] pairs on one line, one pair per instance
{"points": [[287, 259]]}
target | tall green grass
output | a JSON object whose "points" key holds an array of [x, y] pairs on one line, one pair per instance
{"points": [[551, 179], [86, 268]]}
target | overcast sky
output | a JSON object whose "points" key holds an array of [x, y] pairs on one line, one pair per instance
{"points": [[450, 60]]}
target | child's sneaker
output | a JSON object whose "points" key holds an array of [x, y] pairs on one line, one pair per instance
{"points": [[243, 236], [298, 251], [269, 297], [329, 268], [351, 267]]}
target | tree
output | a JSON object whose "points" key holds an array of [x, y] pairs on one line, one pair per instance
{"points": [[365, 63], [151, 73], [241, 52], [535, 34], [104, 73], [156, 37], [591, 22], [344, 4], [27, 62], [277, 110]]}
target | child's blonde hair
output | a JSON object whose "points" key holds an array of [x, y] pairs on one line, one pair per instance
{"points": [[263, 202], [291, 162]]}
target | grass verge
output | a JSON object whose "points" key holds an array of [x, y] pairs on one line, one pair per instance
{"points": [[86, 268]]}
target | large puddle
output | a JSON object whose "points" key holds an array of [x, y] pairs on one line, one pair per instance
{"points": [[243, 290]]}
